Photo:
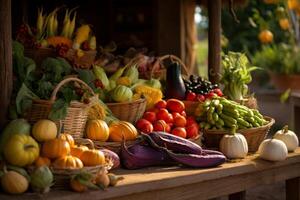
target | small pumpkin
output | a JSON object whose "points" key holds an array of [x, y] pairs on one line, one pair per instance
{"points": [[78, 150], [14, 183], [67, 137], [55, 148], [42, 161], [97, 130], [67, 162], [93, 157], [289, 138], [234, 146], [273, 150], [44, 130], [122, 130], [21, 150]]}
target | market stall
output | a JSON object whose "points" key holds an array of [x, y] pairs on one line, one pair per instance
{"points": [[85, 118]]}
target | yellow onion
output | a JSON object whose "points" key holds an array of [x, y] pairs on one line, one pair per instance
{"points": [[41, 179]]}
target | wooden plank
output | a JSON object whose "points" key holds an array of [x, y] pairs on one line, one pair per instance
{"points": [[238, 196], [5, 59], [184, 183], [214, 39], [293, 189]]}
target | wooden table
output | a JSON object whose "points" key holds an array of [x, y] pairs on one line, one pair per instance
{"points": [[175, 183]]}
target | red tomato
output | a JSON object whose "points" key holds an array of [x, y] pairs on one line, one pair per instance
{"points": [[183, 113], [210, 95], [175, 114], [169, 119], [190, 120], [155, 110], [160, 125], [144, 125], [161, 104], [171, 125], [150, 116], [200, 97], [162, 114], [192, 131], [168, 128], [180, 121], [191, 96], [175, 105], [179, 131], [218, 91]]}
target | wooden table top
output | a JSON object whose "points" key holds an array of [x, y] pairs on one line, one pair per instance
{"points": [[155, 179]]}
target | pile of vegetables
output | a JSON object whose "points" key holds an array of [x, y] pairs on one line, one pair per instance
{"points": [[223, 114], [236, 74]]}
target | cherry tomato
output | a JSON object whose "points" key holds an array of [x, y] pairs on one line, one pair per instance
{"points": [[175, 105], [161, 104], [175, 114], [218, 91], [162, 114], [160, 125], [180, 121], [192, 131], [169, 119], [144, 125], [200, 97], [150, 116], [191, 96], [210, 95], [179, 131], [183, 113]]}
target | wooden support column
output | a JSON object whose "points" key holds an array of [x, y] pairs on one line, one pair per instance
{"points": [[5, 58], [214, 39]]}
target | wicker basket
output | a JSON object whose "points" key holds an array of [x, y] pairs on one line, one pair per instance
{"points": [[38, 55], [128, 111], [76, 118], [62, 176], [254, 136]]}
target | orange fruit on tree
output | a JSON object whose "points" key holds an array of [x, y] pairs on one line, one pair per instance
{"points": [[284, 24], [265, 36], [293, 4]]}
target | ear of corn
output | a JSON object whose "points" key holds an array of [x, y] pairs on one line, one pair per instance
{"points": [[82, 34], [152, 95], [72, 26], [40, 24], [92, 43]]}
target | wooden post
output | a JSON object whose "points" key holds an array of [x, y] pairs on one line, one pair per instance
{"points": [[5, 58], [292, 189], [214, 39], [237, 196]]}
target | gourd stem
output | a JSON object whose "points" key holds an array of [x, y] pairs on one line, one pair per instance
{"points": [[285, 129], [28, 146]]}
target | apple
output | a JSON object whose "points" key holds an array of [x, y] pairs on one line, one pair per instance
{"points": [[179, 131], [150, 116], [175, 105]]}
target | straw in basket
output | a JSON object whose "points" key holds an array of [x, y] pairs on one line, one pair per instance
{"points": [[74, 122], [254, 136]]}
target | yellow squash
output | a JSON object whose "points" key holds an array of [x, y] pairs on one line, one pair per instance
{"points": [[97, 130]]}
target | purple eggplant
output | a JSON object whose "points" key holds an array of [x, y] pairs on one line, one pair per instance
{"points": [[201, 161], [211, 152], [174, 143], [139, 156], [111, 156]]}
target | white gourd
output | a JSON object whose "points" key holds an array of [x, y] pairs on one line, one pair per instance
{"points": [[234, 146], [288, 137], [273, 150]]}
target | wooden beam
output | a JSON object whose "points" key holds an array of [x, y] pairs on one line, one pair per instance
{"points": [[237, 196], [214, 39], [293, 189], [5, 58]]}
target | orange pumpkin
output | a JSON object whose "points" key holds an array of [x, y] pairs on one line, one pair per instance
{"points": [[93, 157], [67, 137], [67, 162], [265, 36], [97, 130], [41, 161], [78, 150], [55, 148], [122, 130]]}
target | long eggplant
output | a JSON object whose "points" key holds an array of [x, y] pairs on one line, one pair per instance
{"points": [[211, 152], [201, 161], [174, 143], [139, 156]]}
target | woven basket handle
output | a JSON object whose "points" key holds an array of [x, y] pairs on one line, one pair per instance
{"points": [[67, 80], [172, 57], [85, 141]]}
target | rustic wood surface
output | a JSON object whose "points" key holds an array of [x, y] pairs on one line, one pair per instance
{"points": [[5, 59], [176, 183]]}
